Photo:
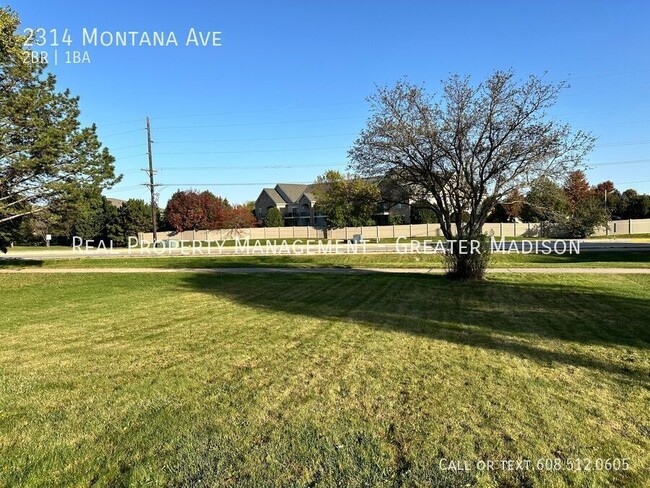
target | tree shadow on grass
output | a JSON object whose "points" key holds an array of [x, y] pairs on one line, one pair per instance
{"points": [[9, 262], [504, 314]]}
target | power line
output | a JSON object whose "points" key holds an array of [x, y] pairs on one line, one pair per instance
{"points": [[124, 147], [121, 133], [234, 184], [319, 165], [252, 151], [616, 163], [257, 139], [210, 141], [278, 109], [602, 75], [630, 182], [586, 112], [620, 123], [624, 143], [272, 166], [130, 156], [126, 188], [110, 124], [260, 123], [629, 88]]}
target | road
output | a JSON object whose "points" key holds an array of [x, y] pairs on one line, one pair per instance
{"points": [[313, 249]]}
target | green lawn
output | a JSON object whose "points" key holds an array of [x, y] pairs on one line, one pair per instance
{"points": [[597, 259], [331, 380]]}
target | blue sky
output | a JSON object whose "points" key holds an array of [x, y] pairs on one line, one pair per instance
{"points": [[284, 96]]}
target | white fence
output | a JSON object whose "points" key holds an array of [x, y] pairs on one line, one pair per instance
{"points": [[618, 227]]}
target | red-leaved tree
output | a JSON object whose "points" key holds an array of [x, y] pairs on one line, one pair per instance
{"points": [[190, 210], [239, 217], [216, 210], [576, 188], [184, 211]]}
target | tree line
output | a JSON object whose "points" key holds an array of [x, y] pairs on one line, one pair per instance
{"points": [[571, 209]]}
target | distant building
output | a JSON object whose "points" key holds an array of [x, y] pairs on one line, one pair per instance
{"points": [[297, 204], [116, 202]]}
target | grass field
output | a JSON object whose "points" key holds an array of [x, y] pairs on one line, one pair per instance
{"points": [[335, 380], [596, 259]]}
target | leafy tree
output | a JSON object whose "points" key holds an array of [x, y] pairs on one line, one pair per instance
{"points": [[185, 210], [396, 220], [467, 149], [513, 204], [422, 213], [605, 187], [609, 194], [239, 217], [587, 210], [638, 207], [545, 202], [163, 223], [632, 205], [588, 214], [188, 209], [134, 216], [346, 202], [46, 157], [576, 188], [499, 214], [509, 209], [93, 216], [273, 218], [215, 209]]}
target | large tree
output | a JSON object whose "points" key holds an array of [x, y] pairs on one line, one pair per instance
{"points": [[46, 156], [273, 218], [239, 217], [186, 210], [190, 210], [577, 188], [346, 201], [134, 216], [546, 202], [468, 148]]}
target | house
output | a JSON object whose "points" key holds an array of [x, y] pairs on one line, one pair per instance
{"points": [[297, 204]]}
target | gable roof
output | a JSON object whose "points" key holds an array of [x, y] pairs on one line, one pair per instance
{"points": [[273, 195], [308, 195], [291, 193]]}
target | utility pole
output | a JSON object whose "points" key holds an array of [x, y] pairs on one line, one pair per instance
{"points": [[152, 186]]}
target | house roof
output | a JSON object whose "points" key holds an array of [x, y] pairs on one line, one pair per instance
{"points": [[309, 196], [116, 202], [273, 195], [291, 192]]}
